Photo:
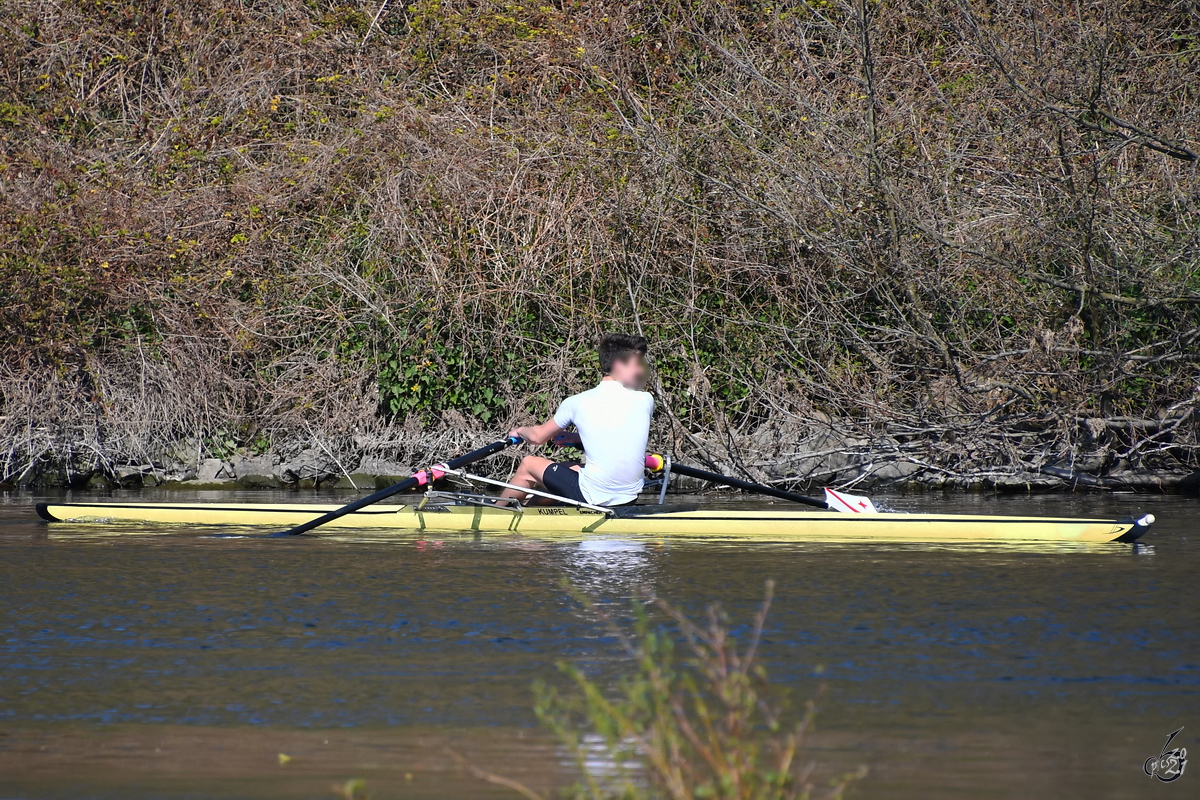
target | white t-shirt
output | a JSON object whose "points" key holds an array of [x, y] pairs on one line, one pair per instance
{"points": [[614, 424]]}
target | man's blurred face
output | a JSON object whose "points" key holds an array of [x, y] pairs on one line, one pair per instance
{"points": [[631, 372]]}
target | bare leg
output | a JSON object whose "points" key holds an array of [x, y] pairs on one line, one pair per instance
{"points": [[528, 474]]}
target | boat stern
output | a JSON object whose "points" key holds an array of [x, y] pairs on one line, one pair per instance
{"points": [[43, 511], [1138, 524]]}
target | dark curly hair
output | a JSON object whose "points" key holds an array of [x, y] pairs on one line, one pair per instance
{"points": [[616, 347]]}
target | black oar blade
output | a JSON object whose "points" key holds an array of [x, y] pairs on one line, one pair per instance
{"points": [[350, 508], [737, 483], [407, 483]]}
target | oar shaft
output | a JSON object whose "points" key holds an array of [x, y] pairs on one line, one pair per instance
{"points": [[714, 477], [407, 483]]}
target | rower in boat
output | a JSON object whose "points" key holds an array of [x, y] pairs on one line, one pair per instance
{"points": [[612, 423]]}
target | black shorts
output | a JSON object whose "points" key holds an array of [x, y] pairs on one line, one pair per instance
{"points": [[563, 481]]}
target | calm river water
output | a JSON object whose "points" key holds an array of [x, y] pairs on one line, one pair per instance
{"points": [[140, 663]]}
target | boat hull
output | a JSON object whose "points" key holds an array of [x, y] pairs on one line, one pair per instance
{"points": [[654, 521]]}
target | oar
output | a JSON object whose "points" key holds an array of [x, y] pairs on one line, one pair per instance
{"points": [[419, 479], [714, 477]]}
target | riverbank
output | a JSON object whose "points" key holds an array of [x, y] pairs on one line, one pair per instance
{"points": [[183, 426], [370, 462], [296, 250], [294, 244], [183, 429]]}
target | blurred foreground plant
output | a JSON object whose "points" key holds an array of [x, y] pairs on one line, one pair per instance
{"points": [[353, 789], [708, 725]]}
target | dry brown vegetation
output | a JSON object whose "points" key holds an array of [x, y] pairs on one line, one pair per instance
{"points": [[947, 241]]}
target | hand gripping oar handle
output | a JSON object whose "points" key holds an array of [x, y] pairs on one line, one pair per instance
{"points": [[714, 477], [420, 479]]}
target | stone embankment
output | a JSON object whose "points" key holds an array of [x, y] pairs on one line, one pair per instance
{"points": [[313, 467]]}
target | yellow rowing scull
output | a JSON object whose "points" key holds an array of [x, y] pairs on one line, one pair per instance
{"points": [[652, 520]]}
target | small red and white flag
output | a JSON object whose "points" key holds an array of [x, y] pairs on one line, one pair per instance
{"points": [[849, 503]]}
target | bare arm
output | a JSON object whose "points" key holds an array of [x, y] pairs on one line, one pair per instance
{"points": [[538, 434]]}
